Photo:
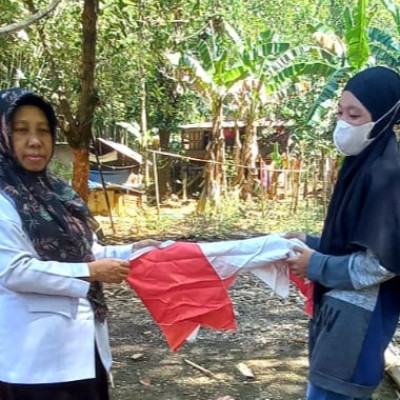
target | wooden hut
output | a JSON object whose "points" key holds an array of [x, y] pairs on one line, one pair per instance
{"points": [[195, 138], [119, 166]]}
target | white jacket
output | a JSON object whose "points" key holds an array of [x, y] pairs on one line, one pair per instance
{"points": [[47, 327]]}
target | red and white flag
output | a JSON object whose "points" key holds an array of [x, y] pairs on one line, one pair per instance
{"points": [[185, 285]]}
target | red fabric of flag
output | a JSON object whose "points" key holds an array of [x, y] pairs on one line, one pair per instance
{"points": [[183, 292], [306, 288]]}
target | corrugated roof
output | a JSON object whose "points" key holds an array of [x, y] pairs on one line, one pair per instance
{"points": [[125, 150], [231, 124], [208, 125]]}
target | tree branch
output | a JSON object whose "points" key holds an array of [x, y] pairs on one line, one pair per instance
{"points": [[64, 104], [34, 18]]}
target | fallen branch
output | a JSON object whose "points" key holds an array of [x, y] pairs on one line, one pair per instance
{"points": [[201, 369]]}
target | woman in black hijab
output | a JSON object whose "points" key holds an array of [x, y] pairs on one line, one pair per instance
{"points": [[356, 261], [53, 331]]}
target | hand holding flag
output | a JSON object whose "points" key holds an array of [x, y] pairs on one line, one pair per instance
{"points": [[184, 285]]}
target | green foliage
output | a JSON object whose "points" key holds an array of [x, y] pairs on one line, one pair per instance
{"points": [[366, 45], [61, 170], [269, 42], [328, 92], [394, 10], [356, 35], [385, 48], [341, 58], [276, 156]]}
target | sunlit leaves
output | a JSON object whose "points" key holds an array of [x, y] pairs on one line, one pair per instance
{"points": [[394, 9], [356, 36], [329, 91]]}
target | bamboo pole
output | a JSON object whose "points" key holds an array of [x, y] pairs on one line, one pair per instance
{"points": [[305, 187], [296, 188], [156, 185], [263, 190], [103, 184], [322, 175], [184, 183]]}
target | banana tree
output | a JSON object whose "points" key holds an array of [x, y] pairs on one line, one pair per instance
{"points": [[362, 46], [211, 72], [394, 10], [271, 64], [251, 96], [342, 56], [385, 47]]}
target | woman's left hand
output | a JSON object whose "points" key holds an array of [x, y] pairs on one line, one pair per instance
{"points": [[299, 263], [145, 243]]}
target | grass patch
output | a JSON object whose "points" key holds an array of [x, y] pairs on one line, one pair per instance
{"points": [[230, 218]]}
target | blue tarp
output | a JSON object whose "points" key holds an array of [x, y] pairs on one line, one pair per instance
{"points": [[117, 176]]}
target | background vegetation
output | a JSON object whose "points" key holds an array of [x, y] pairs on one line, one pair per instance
{"points": [[155, 64]]}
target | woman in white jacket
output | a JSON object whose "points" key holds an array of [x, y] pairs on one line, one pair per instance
{"points": [[53, 333]]}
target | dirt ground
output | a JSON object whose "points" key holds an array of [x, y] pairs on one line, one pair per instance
{"points": [[271, 336], [271, 340]]}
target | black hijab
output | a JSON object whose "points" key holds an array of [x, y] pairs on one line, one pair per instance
{"points": [[55, 218], [364, 212]]}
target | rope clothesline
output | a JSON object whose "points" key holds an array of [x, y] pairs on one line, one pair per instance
{"points": [[217, 162], [182, 157]]}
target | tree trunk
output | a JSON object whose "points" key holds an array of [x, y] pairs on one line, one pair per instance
{"points": [[143, 128], [237, 148], [248, 173], [214, 172], [88, 98], [165, 185], [208, 192], [78, 129], [143, 100], [220, 172], [81, 173]]}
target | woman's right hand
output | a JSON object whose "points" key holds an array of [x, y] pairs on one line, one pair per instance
{"points": [[108, 270], [296, 235]]}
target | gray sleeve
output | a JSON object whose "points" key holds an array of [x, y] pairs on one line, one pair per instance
{"points": [[351, 272], [365, 270], [312, 242]]}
